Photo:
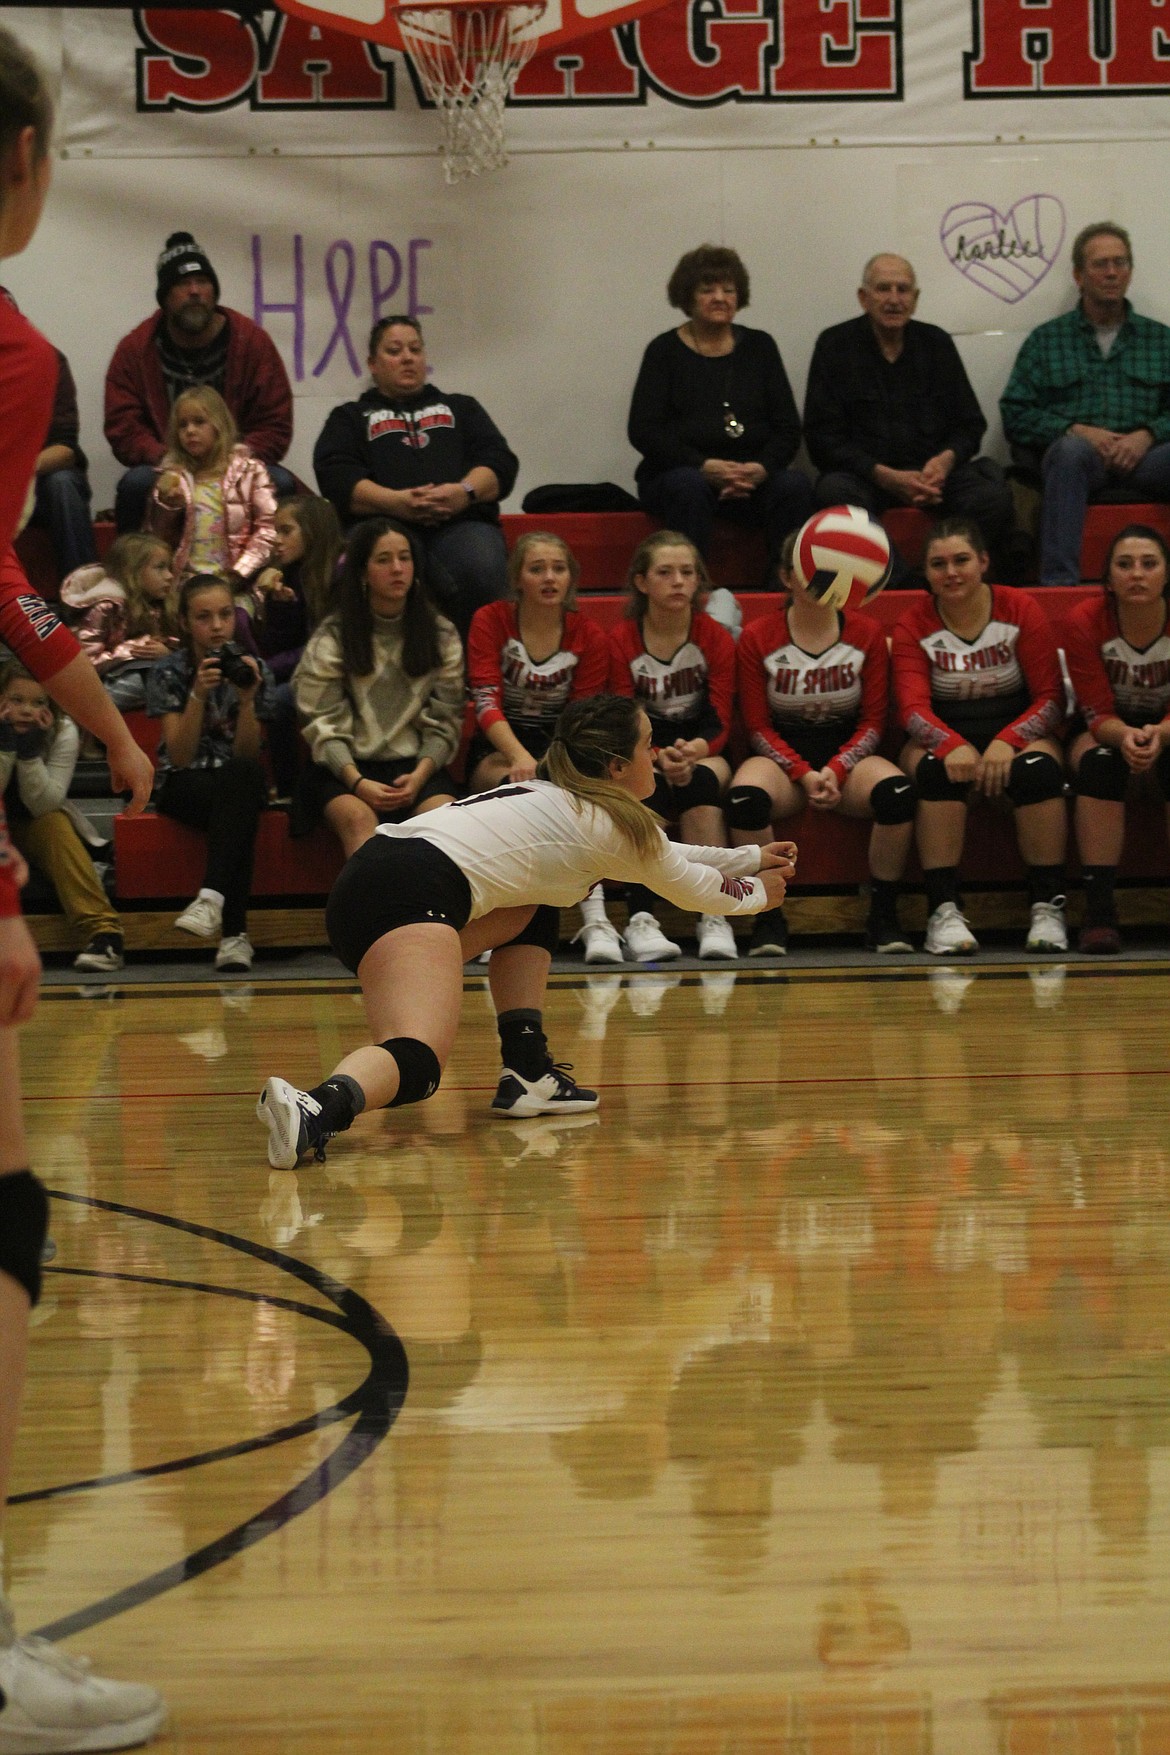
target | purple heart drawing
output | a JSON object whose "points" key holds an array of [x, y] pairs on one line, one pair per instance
{"points": [[1007, 254]]}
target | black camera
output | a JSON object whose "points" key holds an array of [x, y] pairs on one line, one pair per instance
{"points": [[233, 666]]}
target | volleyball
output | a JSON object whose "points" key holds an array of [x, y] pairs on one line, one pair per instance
{"points": [[842, 557]]}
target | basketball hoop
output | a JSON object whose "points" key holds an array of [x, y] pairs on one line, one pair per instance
{"points": [[468, 55]]}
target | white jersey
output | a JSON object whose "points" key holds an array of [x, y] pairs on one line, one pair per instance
{"points": [[536, 843]]}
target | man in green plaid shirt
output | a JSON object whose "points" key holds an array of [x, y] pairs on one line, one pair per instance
{"points": [[1091, 391]]}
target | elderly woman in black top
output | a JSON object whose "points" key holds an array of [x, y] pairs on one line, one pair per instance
{"points": [[713, 413]]}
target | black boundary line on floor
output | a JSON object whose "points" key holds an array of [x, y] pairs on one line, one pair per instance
{"points": [[241, 1447], [376, 1402]]}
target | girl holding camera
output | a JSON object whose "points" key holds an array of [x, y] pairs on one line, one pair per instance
{"points": [[212, 697]]}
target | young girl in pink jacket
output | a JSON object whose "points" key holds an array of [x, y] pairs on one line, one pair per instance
{"points": [[126, 613], [212, 500]]}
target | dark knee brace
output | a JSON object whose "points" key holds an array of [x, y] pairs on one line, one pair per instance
{"points": [[935, 785], [418, 1066], [701, 788], [1103, 773], [1034, 777], [543, 930], [24, 1225], [749, 807], [892, 800]]}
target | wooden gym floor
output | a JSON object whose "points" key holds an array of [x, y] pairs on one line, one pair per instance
{"points": [[814, 1400]]}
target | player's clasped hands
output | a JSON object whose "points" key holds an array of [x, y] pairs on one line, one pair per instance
{"points": [[1141, 746], [822, 788], [777, 865]]}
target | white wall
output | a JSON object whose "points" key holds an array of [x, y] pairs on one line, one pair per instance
{"points": [[547, 278]]}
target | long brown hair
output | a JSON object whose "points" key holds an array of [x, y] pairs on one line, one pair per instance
{"points": [[317, 568], [642, 560], [125, 559], [589, 735], [420, 621], [24, 99]]}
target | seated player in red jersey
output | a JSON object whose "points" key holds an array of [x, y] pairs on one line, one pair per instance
{"points": [[814, 690], [979, 691], [1118, 649], [679, 665], [527, 658]]}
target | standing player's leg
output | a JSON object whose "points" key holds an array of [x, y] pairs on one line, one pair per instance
{"points": [[531, 1083]]}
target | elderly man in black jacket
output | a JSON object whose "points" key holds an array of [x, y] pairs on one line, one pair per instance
{"points": [[890, 418], [436, 461]]}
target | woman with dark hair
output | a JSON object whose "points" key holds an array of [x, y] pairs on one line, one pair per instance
{"points": [[980, 696], [380, 692], [713, 413], [419, 899], [1118, 650]]}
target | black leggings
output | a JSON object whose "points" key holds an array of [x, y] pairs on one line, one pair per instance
{"points": [[226, 802]]}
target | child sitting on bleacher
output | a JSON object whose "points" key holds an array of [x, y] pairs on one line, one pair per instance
{"points": [[284, 603], [211, 697], [38, 753], [212, 500], [127, 614]]}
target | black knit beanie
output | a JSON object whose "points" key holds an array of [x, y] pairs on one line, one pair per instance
{"points": [[182, 256]]}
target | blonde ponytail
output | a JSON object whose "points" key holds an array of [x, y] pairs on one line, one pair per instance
{"points": [[589, 735]]}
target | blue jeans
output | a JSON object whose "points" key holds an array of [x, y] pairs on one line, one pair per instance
{"points": [[467, 566], [62, 508], [1073, 472], [684, 500]]}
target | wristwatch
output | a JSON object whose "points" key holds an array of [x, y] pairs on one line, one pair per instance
{"points": [[468, 490]]}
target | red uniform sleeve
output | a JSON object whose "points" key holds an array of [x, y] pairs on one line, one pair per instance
{"points": [[1040, 663], [911, 673], [28, 383], [490, 627], [870, 638], [588, 641], [9, 894], [1086, 630], [39, 639], [718, 648], [757, 640]]}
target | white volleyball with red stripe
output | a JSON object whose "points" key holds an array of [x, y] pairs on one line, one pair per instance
{"points": [[842, 557]]}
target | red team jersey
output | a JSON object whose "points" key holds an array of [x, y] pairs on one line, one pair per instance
{"points": [[506, 684], [1005, 683], [28, 381], [1111, 678], [805, 710], [689, 694]]}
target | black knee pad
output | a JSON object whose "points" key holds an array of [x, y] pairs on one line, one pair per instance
{"points": [[892, 800], [543, 930], [935, 785], [1103, 774], [749, 807], [24, 1225], [701, 788], [1034, 777], [418, 1066]]}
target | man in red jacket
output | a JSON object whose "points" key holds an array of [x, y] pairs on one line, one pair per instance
{"points": [[193, 340]]}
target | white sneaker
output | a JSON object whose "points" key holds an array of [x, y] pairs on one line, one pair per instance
{"points": [[948, 935], [602, 941], [203, 917], [647, 941], [235, 952], [1049, 928], [49, 1702], [716, 938], [293, 1120]]}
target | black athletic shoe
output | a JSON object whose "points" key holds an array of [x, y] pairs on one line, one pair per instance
{"points": [[886, 938], [769, 936], [553, 1093], [293, 1120]]}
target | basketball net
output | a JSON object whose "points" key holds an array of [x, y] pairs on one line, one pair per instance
{"points": [[468, 55]]}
